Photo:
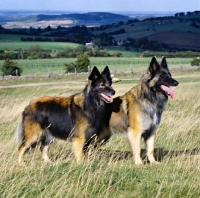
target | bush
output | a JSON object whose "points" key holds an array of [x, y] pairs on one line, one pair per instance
{"points": [[195, 62], [11, 68], [70, 68], [82, 63], [117, 54]]}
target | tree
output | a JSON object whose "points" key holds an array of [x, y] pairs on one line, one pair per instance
{"points": [[82, 63], [195, 62], [11, 68], [117, 54], [70, 67]]}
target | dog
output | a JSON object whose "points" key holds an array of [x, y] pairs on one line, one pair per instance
{"points": [[138, 112], [79, 117]]}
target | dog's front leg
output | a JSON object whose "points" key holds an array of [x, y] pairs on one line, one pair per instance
{"points": [[134, 137], [77, 147], [150, 148]]}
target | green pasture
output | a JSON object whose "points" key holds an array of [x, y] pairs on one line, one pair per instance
{"points": [[13, 37], [44, 45], [12, 42], [123, 64], [125, 53]]}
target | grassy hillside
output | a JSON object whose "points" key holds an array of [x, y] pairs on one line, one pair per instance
{"points": [[177, 39], [45, 45], [42, 20], [179, 29], [11, 37], [156, 25], [108, 172]]}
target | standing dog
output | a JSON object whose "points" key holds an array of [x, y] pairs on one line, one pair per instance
{"points": [[138, 112], [79, 116]]}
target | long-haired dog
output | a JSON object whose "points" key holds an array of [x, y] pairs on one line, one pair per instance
{"points": [[138, 112], [79, 117]]}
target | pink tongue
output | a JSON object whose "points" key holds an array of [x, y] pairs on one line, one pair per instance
{"points": [[168, 90], [107, 98]]}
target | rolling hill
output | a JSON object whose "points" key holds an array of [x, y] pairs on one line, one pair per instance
{"points": [[87, 19]]}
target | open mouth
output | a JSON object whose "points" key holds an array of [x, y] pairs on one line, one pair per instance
{"points": [[106, 98], [168, 91]]}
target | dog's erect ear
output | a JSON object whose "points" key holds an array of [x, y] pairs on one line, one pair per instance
{"points": [[164, 63], [106, 73], [95, 74], [153, 65]]}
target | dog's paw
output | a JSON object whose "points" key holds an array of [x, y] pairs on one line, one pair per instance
{"points": [[138, 162], [48, 161], [22, 163], [154, 162]]}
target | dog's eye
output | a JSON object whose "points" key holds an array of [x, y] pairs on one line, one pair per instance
{"points": [[162, 75]]}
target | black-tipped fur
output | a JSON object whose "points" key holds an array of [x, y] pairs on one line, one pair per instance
{"points": [[79, 116], [138, 112]]}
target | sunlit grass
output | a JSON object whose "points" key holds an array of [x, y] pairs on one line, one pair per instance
{"points": [[109, 171]]}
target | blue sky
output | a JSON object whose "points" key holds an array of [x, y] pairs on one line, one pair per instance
{"points": [[102, 5]]}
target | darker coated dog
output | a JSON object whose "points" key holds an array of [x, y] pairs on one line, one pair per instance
{"points": [[79, 117]]}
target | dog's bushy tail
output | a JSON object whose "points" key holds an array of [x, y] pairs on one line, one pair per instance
{"points": [[18, 132]]}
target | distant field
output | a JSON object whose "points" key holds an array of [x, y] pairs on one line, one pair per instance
{"points": [[185, 38], [13, 37], [41, 24], [177, 39], [12, 42], [44, 45], [146, 28], [129, 53], [123, 64]]}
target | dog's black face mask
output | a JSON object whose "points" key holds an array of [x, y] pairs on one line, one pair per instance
{"points": [[101, 84], [161, 77]]}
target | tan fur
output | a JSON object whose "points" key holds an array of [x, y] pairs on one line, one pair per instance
{"points": [[127, 120], [138, 112]]}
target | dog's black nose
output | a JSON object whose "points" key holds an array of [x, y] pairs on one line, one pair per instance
{"points": [[113, 92], [176, 83]]}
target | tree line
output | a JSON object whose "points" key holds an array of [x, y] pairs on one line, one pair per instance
{"points": [[36, 52]]}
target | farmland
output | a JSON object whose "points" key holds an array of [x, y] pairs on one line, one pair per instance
{"points": [[14, 45], [175, 39], [122, 64], [110, 171]]}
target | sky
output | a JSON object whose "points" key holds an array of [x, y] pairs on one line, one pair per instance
{"points": [[103, 5]]}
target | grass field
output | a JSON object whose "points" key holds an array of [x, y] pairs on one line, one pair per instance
{"points": [[12, 42], [13, 37], [110, 171], [123, 64], [44, 45]]}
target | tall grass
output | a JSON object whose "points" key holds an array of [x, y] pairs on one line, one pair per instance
{"points": [[109, 171]]}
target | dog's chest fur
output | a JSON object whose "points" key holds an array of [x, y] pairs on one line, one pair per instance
{"points": [[151, 113]]}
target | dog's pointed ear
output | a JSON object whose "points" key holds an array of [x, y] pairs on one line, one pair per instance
{"points": [[106, 73], [153, 65], [164, 63], [95, 74]]}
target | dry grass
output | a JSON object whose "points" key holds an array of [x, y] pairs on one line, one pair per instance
{"points": [[110, 171]]}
